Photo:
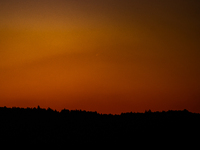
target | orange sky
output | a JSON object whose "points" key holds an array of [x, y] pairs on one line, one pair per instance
{"points": [[109, 56]]}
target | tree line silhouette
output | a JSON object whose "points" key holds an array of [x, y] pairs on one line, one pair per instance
{"points": [[37, 125]]}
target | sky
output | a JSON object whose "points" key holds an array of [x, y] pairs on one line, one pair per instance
{"points": [[109, 56]]}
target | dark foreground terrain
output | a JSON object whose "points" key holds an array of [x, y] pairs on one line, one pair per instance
{"points": [[36, 125]]}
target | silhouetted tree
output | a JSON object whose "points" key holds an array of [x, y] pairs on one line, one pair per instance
{"points": [[81, 126], [149, 111]]}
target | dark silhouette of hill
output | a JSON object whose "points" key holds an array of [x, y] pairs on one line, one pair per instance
{"points": [[36, 125]]}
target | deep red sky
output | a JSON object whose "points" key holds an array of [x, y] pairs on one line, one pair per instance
{"points": [[109, 56]]}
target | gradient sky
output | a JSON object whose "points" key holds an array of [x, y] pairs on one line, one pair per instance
{"points": [[109, 56]]}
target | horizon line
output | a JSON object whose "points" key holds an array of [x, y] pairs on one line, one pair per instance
{"points": [[71, 110]]}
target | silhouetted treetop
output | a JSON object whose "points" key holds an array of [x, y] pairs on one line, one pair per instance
{"points": [[34, 125]]}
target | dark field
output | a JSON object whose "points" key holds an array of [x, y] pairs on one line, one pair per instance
{"points": [[36, 125]]}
